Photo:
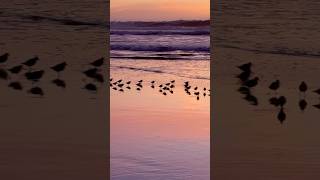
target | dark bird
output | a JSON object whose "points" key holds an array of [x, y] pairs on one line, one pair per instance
{"points": [[316, 106], [196, 93], [152, 86], [251, 83], [34, 75], [173, 81], [98, 62], [282, 101], [245, 67], [90, 72], [120, 85], [244, 76], [204, 94], [59, 83], [204, 89], [244, 90], [160, 85], [59, 67], [119, 81], [160, 90], [139, 85], [15, 85], [31, 62], [4, 57], [140, 81], [91, 87], [171, 92], [110, 79], [128, 87], [36, 91], [172, 86], [303, 104], [152, 82], [251, 99], [98, 77], [167, 84], [121, 90], [138, 89], [274, 101], [3, 74], [15, 69], [303, 87], [274, 85], [164, 93], [114, 88], [195, 88], [281, 116], [129, 82], [317, 91], [198, 98]]}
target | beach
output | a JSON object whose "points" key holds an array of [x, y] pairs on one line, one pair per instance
{"points": [[251, 142], [60, 135], [158, 130]]}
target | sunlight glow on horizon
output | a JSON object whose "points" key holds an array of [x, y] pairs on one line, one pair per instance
{"points": [[160, 10]]}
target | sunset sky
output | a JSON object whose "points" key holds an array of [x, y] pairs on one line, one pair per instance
{"points": [[159, 10]]}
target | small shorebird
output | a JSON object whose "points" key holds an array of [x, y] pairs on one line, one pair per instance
{"points": [[34, 75], [91, 87], [4, 57], [98, 62], [317, 91], [303, 104], [59, 67], [3, 74], [15, 85], [251, 83], [303, 88], [245, 67], [59, 83], [36, 91], [275, 85], [15, 69], [281, 115], [244, 76], [31, 62], [282, 101]]}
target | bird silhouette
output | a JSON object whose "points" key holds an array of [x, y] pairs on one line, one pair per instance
{"points": [[245, 67], [281, 116], [129, 82], [34, 75], [244, 90], [31, 62], [97, 63], [274, 85], [90, 72], [15, 69], [252, 82], [274, 101], [317, 91], [3, 74], [152, 82], [91, 87], [4, 57], [15, 85], [98, 77], [36, 91], [251, 99], [303, 87], [282, 101], [59, 83], [303, 104], [316, 106], [244, 76], [59, 67]]}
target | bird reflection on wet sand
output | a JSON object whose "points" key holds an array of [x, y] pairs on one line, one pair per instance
{"points": [[279, 102]]}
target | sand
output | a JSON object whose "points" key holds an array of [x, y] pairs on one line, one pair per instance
{"points": [[249, 142], [62, 135]]}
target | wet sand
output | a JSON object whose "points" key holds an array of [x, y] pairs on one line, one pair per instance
{"points": [[156, 136], [250, 142], [62, 134]]}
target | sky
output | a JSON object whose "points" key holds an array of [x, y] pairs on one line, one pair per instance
{"points": [[159, 10]]}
